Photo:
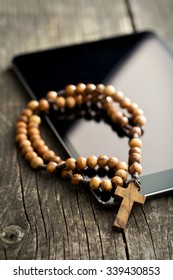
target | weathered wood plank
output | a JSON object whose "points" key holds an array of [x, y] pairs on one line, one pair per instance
{"points": [[153, 15]]}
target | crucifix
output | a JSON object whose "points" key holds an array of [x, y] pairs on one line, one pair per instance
{"points": [[129, 195]]}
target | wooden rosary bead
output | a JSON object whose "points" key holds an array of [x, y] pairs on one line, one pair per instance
{"points": [[70, 102], [35, 119], [20, 124], [112, 162], [81, 163], [27, 112], [26, 149], [38, 143], [118, 96], [117, 181], [76, 178], [134, 157], [33, 105], [102, 161], [106, 185], [92, 162], [21, 137], [48, 155], [23, 118], [122, 173], [70, 90], [30, 155], [60, 102], [90, 88], [94, 183], [51, 95], [56, 159], [135, 150], [42, 149], [100, 88], [135, 167], [109, 90], [140, 120], [125, 103], [70, 164], [51, 167], [32, 124], [66, 174], [36, 162], [122, 165], [79, 100], [21, 130], [135, 142], [33, 137], [25, 143], [135, 130], [124, 121], [33, 131], [80, 88], [43, 105]]}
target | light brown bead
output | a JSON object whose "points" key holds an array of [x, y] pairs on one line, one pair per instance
{"points": [[80, 88], [34, 137], [95, 183], [33, 131], [100, 88], [37, 143], [27, 112], [44, 105], [70, 102], [135, 142], [47, 156], [81, 163], [109, 90], [112, 162], [56, 159], [135, 131], [36, 119], [125, 103], [25, 143], [36, 162], [51, 95], [70, 163], [135, 167], [30, 155], [135, 150], [66, 174], [106, 185], [60, 102], [21, 130], [118, 96], [51, 167], [133, 108], [140, 120], [20, 124], [90, 88], [122, 165], [122, 173], [42, 149], [92, 162], [32, 124], [102, 161], [21, 137], [70, 90], [26, 149], [134, 157], [79, 100], [23, 118], [33, 105], [117, 181], [76, 178], [124, 121]]}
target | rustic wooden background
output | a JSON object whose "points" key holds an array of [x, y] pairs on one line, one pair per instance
{"points": [[42, 217]]}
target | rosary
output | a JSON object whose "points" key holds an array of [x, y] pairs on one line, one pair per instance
{"points": [[113, 103]]}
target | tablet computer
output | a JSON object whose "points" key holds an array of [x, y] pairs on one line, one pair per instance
{"points": [[140, 65]]}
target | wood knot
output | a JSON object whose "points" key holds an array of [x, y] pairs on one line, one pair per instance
{"points": [[11, 234]]}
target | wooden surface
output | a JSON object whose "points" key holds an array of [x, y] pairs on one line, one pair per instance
{"points": [[42, 217]]}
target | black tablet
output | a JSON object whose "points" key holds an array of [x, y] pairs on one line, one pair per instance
{"points": [[140, 65]]}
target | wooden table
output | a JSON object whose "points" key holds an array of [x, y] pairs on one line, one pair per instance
{"points": [[42, 217]]}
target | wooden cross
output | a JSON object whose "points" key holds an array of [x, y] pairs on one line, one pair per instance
{"points": [[129, 195]]}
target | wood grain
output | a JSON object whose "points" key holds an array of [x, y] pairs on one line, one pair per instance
{"points": [[42, 217]]}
